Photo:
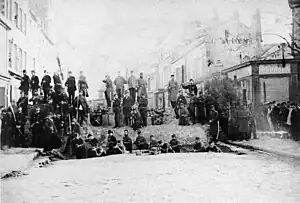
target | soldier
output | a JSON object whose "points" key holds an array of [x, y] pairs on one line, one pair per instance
{"points": [[183, 115], [81, 107], [57, 82], [127, 105], [34, 83], [82, 84], [136, 119], [119, 83], [36, 127], [172, 90], [141, 87], [140, 141], [46, 85], [191, 87], [71, 85], [25, 83], [117, 110], [20, 123], [180, 100], [175, 144], [143, 104], [109, 91], [132, 85], [202, 108], [23, 102], [213, 117], [192, 107], [127, 141]]}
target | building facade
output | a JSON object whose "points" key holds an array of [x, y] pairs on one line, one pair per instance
{"points": [[4, 77], [29, 48]]}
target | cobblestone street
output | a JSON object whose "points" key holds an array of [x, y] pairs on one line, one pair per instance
{"points": [[206, 177]]}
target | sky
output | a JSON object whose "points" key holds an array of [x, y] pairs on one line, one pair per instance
{"points": [[104, 36]]}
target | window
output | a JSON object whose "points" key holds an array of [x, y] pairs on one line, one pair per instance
{"points": [[25, 60], [10, 47], [10, 9], [16, 56], [16, 14], [2, 7], [25, 24], [21, 59], [21, 19]]}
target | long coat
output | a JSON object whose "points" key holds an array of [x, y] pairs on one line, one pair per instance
{"points": [[25, 83], [127, 104], [142, 87], [119, 82], [172, 89], [71, 84], [213, 127], [34, 82]]}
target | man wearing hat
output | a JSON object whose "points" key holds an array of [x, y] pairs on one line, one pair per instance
{"points": [[191, 87], [25, 81], [213, 118], [71, 85], [57, 82], [143, 106], [117, 110], [142, 87], [127, 104], [34, 83], [132, 85], [119, 83], [172, 90], [109, 90], [46, 84]]}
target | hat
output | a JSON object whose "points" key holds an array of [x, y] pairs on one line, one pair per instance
{"points": [[172, 75], [141, 73], [125, 130], [197, 138], [110, 131], [139, 132], [191, 79], [24, 71], [173, 135], [131, 71]]}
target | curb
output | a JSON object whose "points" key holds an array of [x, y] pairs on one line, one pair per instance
{"points": [[250, 147]]}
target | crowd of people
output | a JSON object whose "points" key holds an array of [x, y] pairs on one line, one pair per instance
{"points": [[51, 111]]}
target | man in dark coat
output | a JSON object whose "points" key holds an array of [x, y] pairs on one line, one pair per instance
{"points": [[117, 110], [36, 127], [83, 85], [192, 107], [140, 141], [143, 105], [136, 119], [8, 122], [81, 107], [127, 141], [112, 144], [46, 84], [71, 85], [34, 83], [141, 87], [127, 104], [23, 102], [213, 118], [20, 123], [57, 82], [180, 100], [108, 91], [25, 83], [78, 145], [191, 87], [175, 144]]}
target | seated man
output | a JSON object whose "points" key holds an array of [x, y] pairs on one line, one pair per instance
{"points": [[174, 144], [198, 146], [141, 142], [78, 146], [154, 147], [127, 141], [111, 143], [91, 147]]}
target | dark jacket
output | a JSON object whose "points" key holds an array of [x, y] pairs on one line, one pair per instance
{"points": [[116, 104], [25, 82], [56, 79], [192, 88], [111, 141], [71, 84], [34, 82], [46, 81]]}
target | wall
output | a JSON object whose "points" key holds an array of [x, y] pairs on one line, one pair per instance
{"points": [[275, 89]]}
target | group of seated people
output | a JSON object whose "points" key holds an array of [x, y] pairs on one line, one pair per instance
{"points": [[91, 147]]}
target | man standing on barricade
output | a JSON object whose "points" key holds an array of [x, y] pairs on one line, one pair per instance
{"points": [[213, 119], [82, 84], [191, 87], [142, 87], [172, 91], [202, 108], [20, 123], [119, 83], [132, 85], [109, 91], [81, 108], [143, 106], [117, 110], [57, 82], [23, 102], [46, 85], [34, 83], [127, 105], [25, 83], [192, 107], [71, 85]]}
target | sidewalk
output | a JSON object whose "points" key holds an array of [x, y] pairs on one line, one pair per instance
{"points": [[270, 144], [15, 159]]}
